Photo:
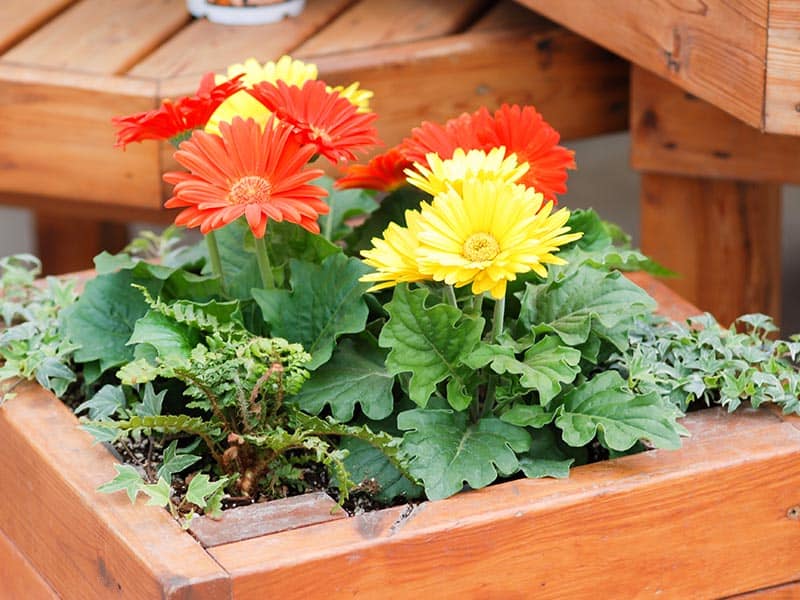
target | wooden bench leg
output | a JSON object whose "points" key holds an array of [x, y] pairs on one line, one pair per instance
{"points": [[723, 237], [67, 244]]}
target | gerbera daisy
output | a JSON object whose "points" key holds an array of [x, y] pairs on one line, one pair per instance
{"points": [[252, 72], [175, 119], [384, 173], [246, 171], [488, 234], [394, 255], [475, 164], [319, 117], [524, 132], [521, 130]]}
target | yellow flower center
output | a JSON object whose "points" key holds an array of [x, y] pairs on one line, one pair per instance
{"points": [[320, 134], [250, 189], [480, 247]]}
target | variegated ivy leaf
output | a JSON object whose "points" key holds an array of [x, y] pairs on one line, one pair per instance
{"points": [[446, 451], [431, 343], [128, 479]]}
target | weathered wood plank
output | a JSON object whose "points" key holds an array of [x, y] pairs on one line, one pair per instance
{"points": [[661, 512], [579, 88], [715, 49], [18, 18], [203, 46], [372, 24], [86, 544], [790, 591], [20, 579], [508, 14], [782, 90], [266, 518], [675, 132], [723, 238], [97, 36], [56, 138]]}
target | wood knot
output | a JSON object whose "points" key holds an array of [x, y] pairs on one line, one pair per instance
{"points": [[793, 513]]}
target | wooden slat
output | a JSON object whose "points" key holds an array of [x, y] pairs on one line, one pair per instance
{"points": [[19, 578], [790, 591], [203, 46], [19, 17], [66, 245], [716, 507], [98, 36], [86, 544], [71, 207], [715, 49], [508, 14], [372, 24], [722, 237], [266, 518], [782, 101], [675, 132], [56, 138], [579, 88]]}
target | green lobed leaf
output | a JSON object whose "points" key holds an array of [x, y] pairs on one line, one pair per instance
{"points": [[325, 302], [569, 307], [355, 374], [165, 335], [175, 461], [446, 451], [365, 462], [545, 458], [128, 479], [201, 489], [528, 415], [431, 343], [603, 406], [159, 493], [105, 403], [392, 210], [150, 406]]}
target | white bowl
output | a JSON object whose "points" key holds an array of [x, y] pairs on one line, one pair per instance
{"points": [[245, 15]]}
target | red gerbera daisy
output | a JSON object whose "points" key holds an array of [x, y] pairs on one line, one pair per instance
{"points": [[384, 173], [520, 130], [173, 119], [325, 119], [246, 172]]}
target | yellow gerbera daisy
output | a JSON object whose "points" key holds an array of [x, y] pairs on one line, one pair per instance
{"points": [[355, 95], [286, 69], [440, 174], [489, 233], [394, 256], [242, 104]]}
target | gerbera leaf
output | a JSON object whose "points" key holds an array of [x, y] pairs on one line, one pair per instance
{"points": [[446, 452], [325, 302], [344, 204], [603, 406], [430, 343], [392, 210], [571, 306], [355, 374], [545, 458]]}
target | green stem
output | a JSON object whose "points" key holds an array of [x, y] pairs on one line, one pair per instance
{"points": [[213, 254], [497, 330], [477, 305], [263, 264], [450, 295], [328, 231]]}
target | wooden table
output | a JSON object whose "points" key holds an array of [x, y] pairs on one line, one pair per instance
{"points": [[708, 76]]}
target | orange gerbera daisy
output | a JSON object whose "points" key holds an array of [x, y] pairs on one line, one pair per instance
{"points": [[246, 172], [174, 119], [325, 119], [383, 173], [521, 130]]}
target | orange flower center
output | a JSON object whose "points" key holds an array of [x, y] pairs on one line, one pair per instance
{"points": [[250, 189], [480, 247]]}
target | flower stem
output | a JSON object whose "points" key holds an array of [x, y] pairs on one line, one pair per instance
{"points": [[497, 330], [477, 305], [263, 263], [450, 295], [213, 254]]}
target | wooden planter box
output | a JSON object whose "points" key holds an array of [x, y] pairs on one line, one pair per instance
{"points": [[718, 517]]}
